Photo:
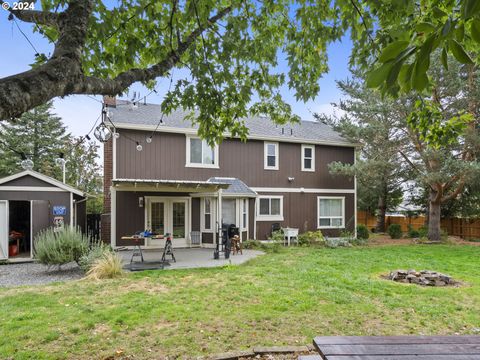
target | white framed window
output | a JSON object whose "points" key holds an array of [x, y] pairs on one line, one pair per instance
{"points": [[331, 212], [308, 158], [271, 156], [270, 208], [244, 214], [200, 154], [207, 214]]}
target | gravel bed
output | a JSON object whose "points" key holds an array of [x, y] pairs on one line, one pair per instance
{"points": [[36, 274]]}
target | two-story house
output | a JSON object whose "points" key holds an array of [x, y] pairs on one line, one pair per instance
{"points": [[173, 182]]}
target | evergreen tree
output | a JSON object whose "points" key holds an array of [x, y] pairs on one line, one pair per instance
{"points": [[373, 122], [39, 135]]}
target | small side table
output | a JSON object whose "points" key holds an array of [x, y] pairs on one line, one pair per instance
{"points": [[137, 250]]}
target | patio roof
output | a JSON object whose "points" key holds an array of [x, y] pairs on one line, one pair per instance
{"points": [[176, 185], [236, 187]]}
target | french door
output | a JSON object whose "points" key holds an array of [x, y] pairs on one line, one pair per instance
{"points": [[168, 216]]}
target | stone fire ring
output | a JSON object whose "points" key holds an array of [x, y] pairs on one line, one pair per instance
{"points": [[422, 277]]}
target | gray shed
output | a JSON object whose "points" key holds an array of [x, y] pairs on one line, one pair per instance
{"points": [[31, 202]]}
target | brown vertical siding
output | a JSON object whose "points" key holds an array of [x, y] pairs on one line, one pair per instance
{"points": [[300, 211], [195, 214], [27, 181], [165, 158]]}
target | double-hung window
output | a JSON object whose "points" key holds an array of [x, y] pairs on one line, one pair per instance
{"points": [[331, 212], [308, 158], [271, 156], [270, 208], [244, 213], [200, 154], [207, 212]]}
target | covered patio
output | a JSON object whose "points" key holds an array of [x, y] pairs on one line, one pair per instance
{"points": [[188, 258]]}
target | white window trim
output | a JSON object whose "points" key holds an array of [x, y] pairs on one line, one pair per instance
{"points": [[195, 165], [330, 217], [265, 155], [312, 169], [244, 207], [270, 217], [202, 214]]}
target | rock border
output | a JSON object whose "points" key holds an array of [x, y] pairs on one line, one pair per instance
{"points": [[422, 278]]}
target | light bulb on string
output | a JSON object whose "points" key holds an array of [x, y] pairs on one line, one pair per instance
{"points": [[139, 147], [116, 135], [148, 140]]}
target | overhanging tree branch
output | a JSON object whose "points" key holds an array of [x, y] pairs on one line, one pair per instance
{"points": [[35, 16]]}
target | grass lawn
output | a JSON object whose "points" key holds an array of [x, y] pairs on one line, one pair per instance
{"points": [[283, 298]]}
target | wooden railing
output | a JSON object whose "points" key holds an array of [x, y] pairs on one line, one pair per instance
{"points": [[465, 228]]}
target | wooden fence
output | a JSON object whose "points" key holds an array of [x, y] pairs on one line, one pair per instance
{"points": [[465, 228]]}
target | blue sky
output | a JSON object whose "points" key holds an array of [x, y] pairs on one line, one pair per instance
{"points": [[80, 112]]}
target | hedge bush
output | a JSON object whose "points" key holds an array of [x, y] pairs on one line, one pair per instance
{"points": [[362, 232], [60, 247], [412, 233], [311, 238], [395, 231]]}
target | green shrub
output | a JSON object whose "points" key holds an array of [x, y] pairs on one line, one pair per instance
{"points": [[96, 251], [423, 232], [251, 244], [109, 266], [277, 236], [60, 247], [412, 233], [362, 232], [395, 231], [311, 238]]}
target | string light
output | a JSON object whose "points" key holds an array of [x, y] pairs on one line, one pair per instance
{"points": [[148, 140], [139, 147]]}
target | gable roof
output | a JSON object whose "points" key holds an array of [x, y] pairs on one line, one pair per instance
{"points": [[237, 187], [147, 117], [43, 178]]}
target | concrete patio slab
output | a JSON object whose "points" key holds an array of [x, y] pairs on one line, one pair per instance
{"points": [[191, 258]]}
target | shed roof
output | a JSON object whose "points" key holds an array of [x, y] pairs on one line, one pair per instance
{"points": [[49, 180], [147, 116]]}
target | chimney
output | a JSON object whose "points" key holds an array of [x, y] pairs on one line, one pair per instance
{"points": [[110, 100]]}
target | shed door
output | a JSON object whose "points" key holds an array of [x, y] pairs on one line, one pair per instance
{"points": [[40, 217], [3, 229]]}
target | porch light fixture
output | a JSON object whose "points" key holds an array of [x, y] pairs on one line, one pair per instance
{"points": [[139, 147], [140, 201], [290, 179]]}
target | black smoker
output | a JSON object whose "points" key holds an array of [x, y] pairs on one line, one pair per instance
{"points": [[228, 231]]}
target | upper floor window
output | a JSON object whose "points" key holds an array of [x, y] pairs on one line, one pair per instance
{"points": [[270, 208], [200, 154], [271, 156], [331, 213], [308, 157]]}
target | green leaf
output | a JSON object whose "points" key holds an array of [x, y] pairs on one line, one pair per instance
{"points": [[459, 53], [444, 58], [419, 78], [393, 74], [471, 7], [425, 27], [475, 30], [392, 50], [376, 77], [438, 13], [405, 76], [446, 27], [460, 32]]}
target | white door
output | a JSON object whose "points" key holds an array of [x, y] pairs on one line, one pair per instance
{"points": [[168, 216], [3, 229]]}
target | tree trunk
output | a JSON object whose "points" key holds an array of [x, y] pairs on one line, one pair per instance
{"points": [[434, 217], [381, 210]]}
